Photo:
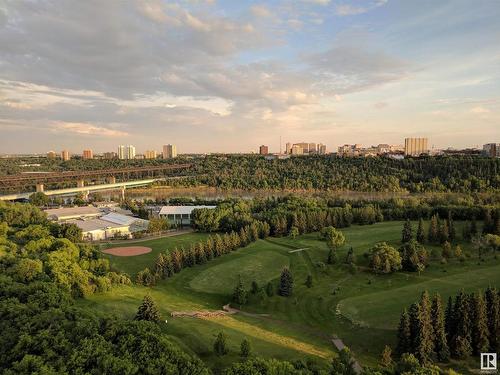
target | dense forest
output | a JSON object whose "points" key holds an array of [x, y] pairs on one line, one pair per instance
{"points": [[379, 174]]}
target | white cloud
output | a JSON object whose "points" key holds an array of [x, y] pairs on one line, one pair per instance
{"points": [[352, 10], [87, 129], [480, 110]]}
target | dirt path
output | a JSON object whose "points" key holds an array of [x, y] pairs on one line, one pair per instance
{"points": [[339, 344]]}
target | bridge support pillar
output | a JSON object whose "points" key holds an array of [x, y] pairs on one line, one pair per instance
{"points": [[39, 188], [85, 195], [80, 183], [111, 180], [123, 193]]}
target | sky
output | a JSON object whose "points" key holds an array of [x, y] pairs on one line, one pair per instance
{"points": [[228, 76]]}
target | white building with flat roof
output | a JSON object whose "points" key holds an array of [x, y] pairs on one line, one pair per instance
{"points": [[68, 213], [179, 214]]}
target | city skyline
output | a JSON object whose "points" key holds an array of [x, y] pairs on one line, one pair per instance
{"points": [[225, 76]]}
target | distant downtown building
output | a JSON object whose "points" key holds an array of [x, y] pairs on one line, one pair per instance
{"points": [[87, 154], [51, 155], [492, 150], [126, 152], [169, 151], [304, 148], [263, 150], [109, 155], [65, 155], [150, 154], [416, 146]]}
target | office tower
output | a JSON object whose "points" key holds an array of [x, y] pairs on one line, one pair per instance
{"points": [[121, 152], [130, 152], [87, 154], [288, 148], [312, 148], [150, 154], [263, 150], [492, 150], [169, 151], [322, 149], [51, 155], [297, 150], [416, 146], [65, 155]]}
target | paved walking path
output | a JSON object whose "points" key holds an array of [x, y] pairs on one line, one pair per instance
{"points": [[339, 344], [170, 234]]}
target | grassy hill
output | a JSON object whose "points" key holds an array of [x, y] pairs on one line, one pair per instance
{"points": [[361, 308]]}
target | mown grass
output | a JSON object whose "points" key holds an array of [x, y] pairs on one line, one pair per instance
{"points": [[361, 308]]}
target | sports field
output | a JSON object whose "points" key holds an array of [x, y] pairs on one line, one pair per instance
{"points": [[362, 308]]}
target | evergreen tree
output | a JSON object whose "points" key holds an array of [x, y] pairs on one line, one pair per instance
{"points": [[438, 322], [473, 228], [350, 256], [343, 364], [160, 266], [433, 229], [493, 316], [480, 343], [458, 252], [461, 341], [169, 266], [286, 283], [424, 340], [451, 227], [254, 288], [414, 319], [309, 281], [240, 294], [220, 346], [245, 348], [269, 289], [404, 334], [332, 256], [407, 233], [489, 223], [449, 321], [446, 250], [148, 310], [443, 232], [421, 231]]}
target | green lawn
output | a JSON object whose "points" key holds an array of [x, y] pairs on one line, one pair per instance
{"points": [[361, 308], [132, 265]]}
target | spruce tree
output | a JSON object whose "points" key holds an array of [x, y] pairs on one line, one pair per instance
{"points": [[493, 316], [447, 250], [438, 322], [443, 232], [433, 229], [461, 341], [160, 266], [350, 256], [407, 233], [421, 231], [240, 294], [449, 321], [404, 334], [220, 346], [414, 318], [245, 348], [269, 289], [480, 343], [169, 266], [332, 256], [286, 283], [254, 287], [424, 339], [148, 310], [451, 227]]}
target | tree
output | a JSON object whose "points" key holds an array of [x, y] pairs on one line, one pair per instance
{"points": [[332, 256], [451, 227], [39, 199], [413, 256], [240, 293], [343, 364], [438, 322], [27, 270], [480, 343], [294, 232], [384, 258], [443, 231], [220, 346], [407, 233], [386, 357], [424, 344], [458, 252], [148, 310], [334, 238], [404, 334], [145, 277], [286, 283], [447, 253], [245, 348], [255, 287], [157, 224], [350, 257], [421, 231], [269, 289], [493, 316], [309, 281], [461, 341], [433, 229]]}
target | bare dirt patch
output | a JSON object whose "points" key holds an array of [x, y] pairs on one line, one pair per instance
{"points": [[128, 251]]}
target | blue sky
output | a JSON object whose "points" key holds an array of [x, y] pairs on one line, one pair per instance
{"points": [[231, 75]]}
